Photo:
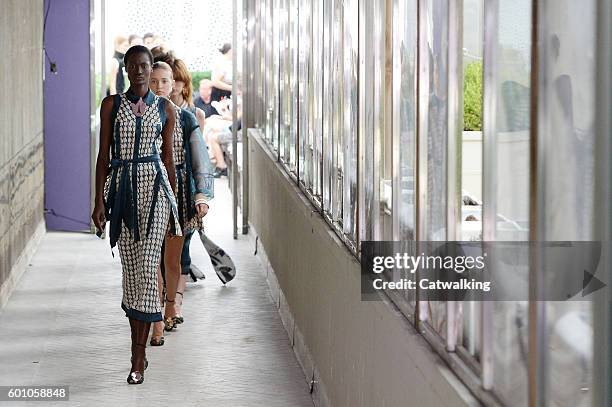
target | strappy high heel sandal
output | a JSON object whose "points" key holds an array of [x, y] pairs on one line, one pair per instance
{"points": [[137, 377], [169, 324], [178, 319]]}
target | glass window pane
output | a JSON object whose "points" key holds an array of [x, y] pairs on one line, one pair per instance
{"points": [[405, 76], [383, 137], [293, 20], [471, 156], [367, 46], [284, 86], [566, 129], [434, 134], [273, 74], [404, 122], [349, 118], [337, 112], [316, 98], [327, 105], [304, 106], [506, 175]]}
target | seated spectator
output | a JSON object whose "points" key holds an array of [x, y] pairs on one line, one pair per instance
{"points": [[218, 133], [204, 99]]}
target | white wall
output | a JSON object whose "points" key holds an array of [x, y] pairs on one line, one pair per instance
{"points": [[362, 354]]}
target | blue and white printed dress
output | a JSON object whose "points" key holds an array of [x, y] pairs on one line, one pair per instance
{"points": [[139, 201], [194, 172]]}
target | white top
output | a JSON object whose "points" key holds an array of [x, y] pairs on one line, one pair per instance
{"points": [[223, 68]]}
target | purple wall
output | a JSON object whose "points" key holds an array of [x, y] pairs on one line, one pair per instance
{"points": [[67, 121]]}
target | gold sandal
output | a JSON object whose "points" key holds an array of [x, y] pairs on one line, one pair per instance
{"points": [[178, 319], [157, 341], [169, 323]]}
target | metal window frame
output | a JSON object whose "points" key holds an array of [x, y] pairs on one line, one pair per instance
{"points": [[93, 139], [538, 354], [602, 310], [454, 147], [489, 177], [317, 189], [249, 59], [236, 47]]}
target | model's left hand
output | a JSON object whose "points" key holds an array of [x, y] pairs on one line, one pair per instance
{"points": [[202, 210]]}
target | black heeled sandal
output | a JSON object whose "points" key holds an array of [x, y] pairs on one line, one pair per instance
{"points": [[137, 377]]}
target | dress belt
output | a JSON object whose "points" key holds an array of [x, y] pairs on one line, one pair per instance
{"points": [[121, 205]]}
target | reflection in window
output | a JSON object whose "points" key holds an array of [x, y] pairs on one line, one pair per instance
{"points": [[567, 115], [304, 100], [506, 196], [349, 118], [315, 98], [434, 138], [363, 127], [405, 123]]}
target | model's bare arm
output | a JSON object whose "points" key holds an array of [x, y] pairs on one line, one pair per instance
{"points": [[168, 142], [102, 163]]}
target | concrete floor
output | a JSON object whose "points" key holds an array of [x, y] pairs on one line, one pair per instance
{"points": [[63, 325]]}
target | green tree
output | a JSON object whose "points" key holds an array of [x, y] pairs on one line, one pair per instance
{"points": [[472, 97], [196, 77]]}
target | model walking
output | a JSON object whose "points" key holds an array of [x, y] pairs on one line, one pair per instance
{"points": [[181, 96], [134, 191], [194, 187]]}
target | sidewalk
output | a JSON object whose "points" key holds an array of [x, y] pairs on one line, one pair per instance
{"points": [[63, 325]]}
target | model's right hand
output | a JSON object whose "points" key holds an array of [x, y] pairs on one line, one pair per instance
{"points": [[98, 217]]}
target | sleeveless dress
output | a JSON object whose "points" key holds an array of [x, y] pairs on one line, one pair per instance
{"points": [[194, 172], [139, 202]]}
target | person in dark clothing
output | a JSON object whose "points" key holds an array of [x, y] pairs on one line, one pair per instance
{"points": [[117, 70], [204, 99]]}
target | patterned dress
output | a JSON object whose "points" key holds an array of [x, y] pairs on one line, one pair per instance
{"points": [[139, 201], [194, 172]]}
